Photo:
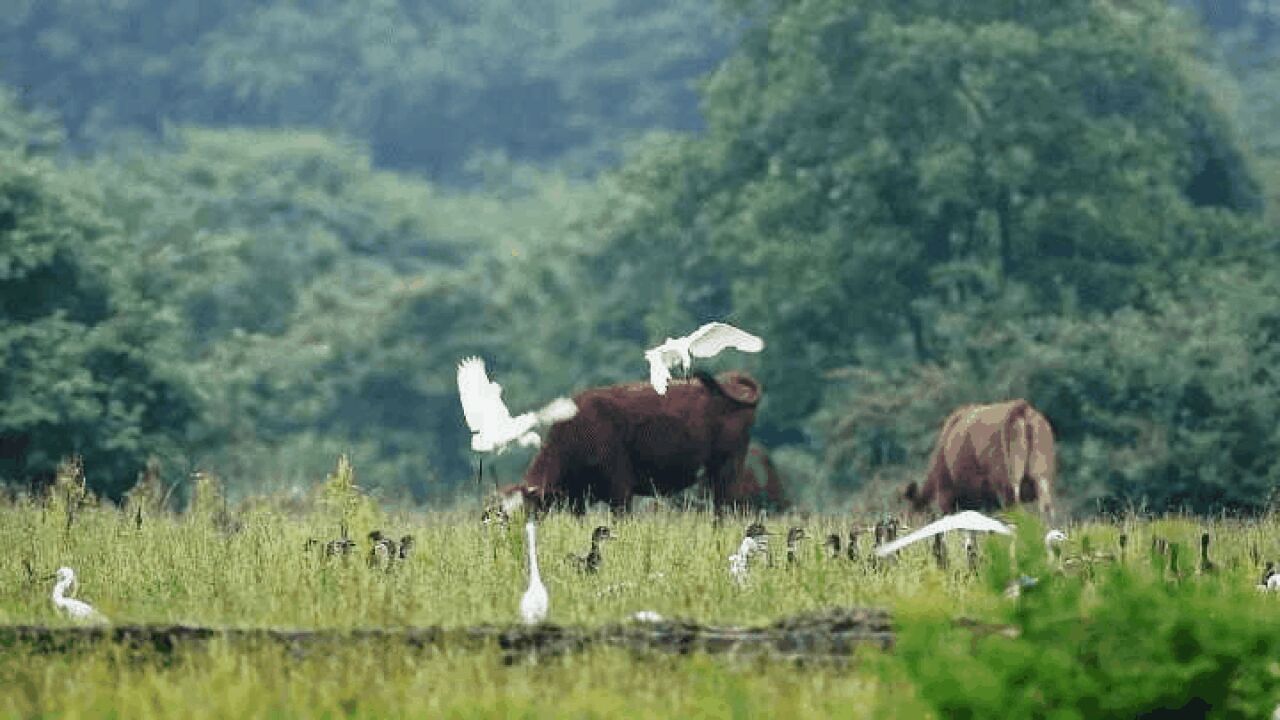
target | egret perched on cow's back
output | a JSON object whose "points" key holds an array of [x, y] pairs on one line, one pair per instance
{"points": [[533, 606], [967, 520], [75, 609], [707, 341], [492, 426]]}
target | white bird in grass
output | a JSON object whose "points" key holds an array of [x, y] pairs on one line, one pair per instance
{"points": [[967, 520], [492, 426], [707, 341], [1052, 539], [533, 606], [756, 540], [75, 609]]}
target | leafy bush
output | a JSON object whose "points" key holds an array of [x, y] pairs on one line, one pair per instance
{"points": [[1131, 643]]}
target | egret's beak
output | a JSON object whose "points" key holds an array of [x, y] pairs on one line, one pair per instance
{"points": [[46, 578]]}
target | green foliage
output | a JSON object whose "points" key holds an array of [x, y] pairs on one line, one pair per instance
{"points": [[427, 85], [1171, 408], [85, 363], [879, 160], [1130, 644]]}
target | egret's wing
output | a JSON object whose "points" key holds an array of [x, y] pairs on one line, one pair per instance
{"points": [[712, 338], [967, 520], [558, 410], [659, 373], [973, 520], [481, 400]]}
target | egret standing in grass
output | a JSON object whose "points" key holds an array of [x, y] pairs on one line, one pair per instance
{"points": [[1052, 544], [72, 608], [492, 426], [533, 606], [755, 540], [707, 341]]}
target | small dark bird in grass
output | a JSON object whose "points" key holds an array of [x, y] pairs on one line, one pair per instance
{"points": [[1206, 565], [832, 544], [794, 536], [590, 563], [1270, 579], [343, 546], [495, 514], [381, 549], [852, 548], [971, 552], [406, 545], [939, 552]]}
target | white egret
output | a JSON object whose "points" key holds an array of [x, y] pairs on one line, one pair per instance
{"points": [[1270, 581], [492, 426], [707, 341], [646, 616], [75, 609], [533, 606], [1052, 540], [967, 520], [755, 540]]}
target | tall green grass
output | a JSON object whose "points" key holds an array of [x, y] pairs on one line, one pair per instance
{"points": [[1113, 641]]}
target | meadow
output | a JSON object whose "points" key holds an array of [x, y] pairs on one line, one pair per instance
{"points": [[1089, 640]]}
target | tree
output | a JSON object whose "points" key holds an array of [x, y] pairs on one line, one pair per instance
{"points": [[868, 164], [84, 360]]}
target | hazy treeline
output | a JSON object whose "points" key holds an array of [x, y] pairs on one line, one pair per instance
{"points": [[205, 259]]}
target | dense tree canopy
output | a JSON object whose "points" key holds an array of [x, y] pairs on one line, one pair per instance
{"points": [[917, 204], [427, 84], [86, 367]]}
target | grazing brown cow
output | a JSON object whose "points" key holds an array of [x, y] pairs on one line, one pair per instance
{"points": [[628, 440], [760, 485], [988, 457]]}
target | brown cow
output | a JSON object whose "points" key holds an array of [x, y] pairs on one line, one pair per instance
{"points": [[628, 440], [988, 457]]}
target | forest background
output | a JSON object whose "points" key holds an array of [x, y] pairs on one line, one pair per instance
{"points": [[245, 237]]}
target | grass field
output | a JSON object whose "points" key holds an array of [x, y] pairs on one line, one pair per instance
{"points": [[1187, 630]]}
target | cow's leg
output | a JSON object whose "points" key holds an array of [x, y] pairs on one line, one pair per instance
{"points": [[621, 478], [724, 472], [1017, 448]]}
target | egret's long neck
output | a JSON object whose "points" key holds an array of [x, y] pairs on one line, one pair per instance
{"points": [[531, 532], [60, 589]]}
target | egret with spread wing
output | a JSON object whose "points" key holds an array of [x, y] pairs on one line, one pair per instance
{"points": [[492, 427], [707, 341], [967, 520]]}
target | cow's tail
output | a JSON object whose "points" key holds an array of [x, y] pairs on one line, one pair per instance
{"points": [[1017, 447]]}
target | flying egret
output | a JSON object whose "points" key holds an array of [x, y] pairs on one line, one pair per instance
{"points": [[967, 520], [707, 341], [492, 427], [75, 609], [533, 606]]}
